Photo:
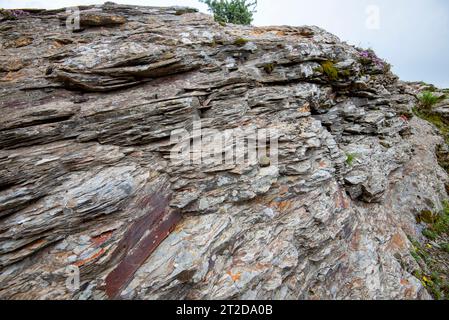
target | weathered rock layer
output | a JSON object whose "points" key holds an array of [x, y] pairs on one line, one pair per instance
{"points": [[86, 178]]}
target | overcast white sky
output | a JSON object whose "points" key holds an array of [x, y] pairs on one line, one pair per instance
{"points": [[413, 35]]}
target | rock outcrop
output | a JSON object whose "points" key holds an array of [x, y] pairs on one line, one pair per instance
{"points": [[88, 183]]}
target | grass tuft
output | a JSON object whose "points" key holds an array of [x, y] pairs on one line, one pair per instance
{"points": [[350, 157], [427, 99]]}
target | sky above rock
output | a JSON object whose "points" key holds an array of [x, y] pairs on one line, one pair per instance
{"points": [[413, 35]]}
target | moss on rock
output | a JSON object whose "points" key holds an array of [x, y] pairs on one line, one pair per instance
{"points": [[330, 70]]}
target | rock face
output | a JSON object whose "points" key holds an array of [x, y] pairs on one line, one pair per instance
{"points": [[88, 186]]}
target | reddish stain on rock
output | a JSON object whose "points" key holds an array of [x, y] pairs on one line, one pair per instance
{"points": [[91, 258], [140, 241], [102, 238], [342, 202], [397, 242]]}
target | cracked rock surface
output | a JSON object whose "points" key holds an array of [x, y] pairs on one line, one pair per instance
{"points": [[86, 178]]}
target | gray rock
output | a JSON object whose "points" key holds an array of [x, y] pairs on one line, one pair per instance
{"points": [[87, 181]]}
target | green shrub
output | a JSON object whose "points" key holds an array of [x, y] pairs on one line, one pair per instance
{"points": [[441, 226], [429, 234], [428, 99], [431, 254], [445, 247], [232, 11], [427, 216], [438, 224], [415, 255], [435, 119]]}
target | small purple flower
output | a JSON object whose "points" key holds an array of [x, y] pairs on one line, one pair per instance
{"points": [[370, 55], [364, 54], [19, 13], [14, 13]]}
